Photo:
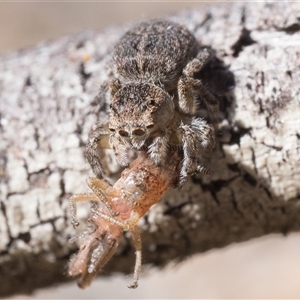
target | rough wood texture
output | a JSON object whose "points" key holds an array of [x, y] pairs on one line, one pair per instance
{"points": [[48, 107]]}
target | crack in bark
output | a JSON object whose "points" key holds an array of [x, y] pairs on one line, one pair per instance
{"points": [[83, 75], [290, 29], [243, 41]]}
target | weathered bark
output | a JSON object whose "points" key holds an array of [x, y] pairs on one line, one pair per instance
{"points": [[48, 107]]}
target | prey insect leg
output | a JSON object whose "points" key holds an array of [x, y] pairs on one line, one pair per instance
{"points": [[127, 224], [73, 209], [99, 187], [136, 237]]}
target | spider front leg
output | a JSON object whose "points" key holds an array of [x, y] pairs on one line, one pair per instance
{"points": [[198, 142], [94, 154], [158, 150], [188, 85], [120, 147]]}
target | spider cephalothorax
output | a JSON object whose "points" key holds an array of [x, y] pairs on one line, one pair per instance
{"points": [[139, 111]]}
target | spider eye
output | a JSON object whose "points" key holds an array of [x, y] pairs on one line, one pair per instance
{"points": [[123, 133], [112, 129], [150, 126], [138, 132]]}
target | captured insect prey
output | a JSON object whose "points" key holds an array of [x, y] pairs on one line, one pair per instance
{"points": [[152, 96], [140, 186]]}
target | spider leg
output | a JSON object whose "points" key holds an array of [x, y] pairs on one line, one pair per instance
{"points": [[189, 164], [186, 102], [210, 101], [205, 136], [196, 64], [158, 150], [94, 154], [120, 148], [188, 85], [198, 142]]}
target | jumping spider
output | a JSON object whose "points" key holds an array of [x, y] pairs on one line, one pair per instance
{"points": [[152, 96]]}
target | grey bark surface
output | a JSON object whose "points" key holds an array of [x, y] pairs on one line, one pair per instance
{"points": [[48, 105]]}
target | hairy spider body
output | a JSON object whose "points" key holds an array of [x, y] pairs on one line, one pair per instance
{"points": [[152, 97], [154, 52]]}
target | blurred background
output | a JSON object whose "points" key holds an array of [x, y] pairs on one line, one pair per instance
{"points": [[268, 267]]}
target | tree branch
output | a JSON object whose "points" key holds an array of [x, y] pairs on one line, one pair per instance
{"points": [[48, 105]]}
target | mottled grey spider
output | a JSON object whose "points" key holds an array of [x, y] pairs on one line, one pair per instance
{"points": [[152, 97]]}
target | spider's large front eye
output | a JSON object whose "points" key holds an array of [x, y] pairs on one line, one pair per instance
{"points": [[138, 132], [123, 133], [150, 126]]}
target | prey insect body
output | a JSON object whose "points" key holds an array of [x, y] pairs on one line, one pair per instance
{"points": [[139, 187]]}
